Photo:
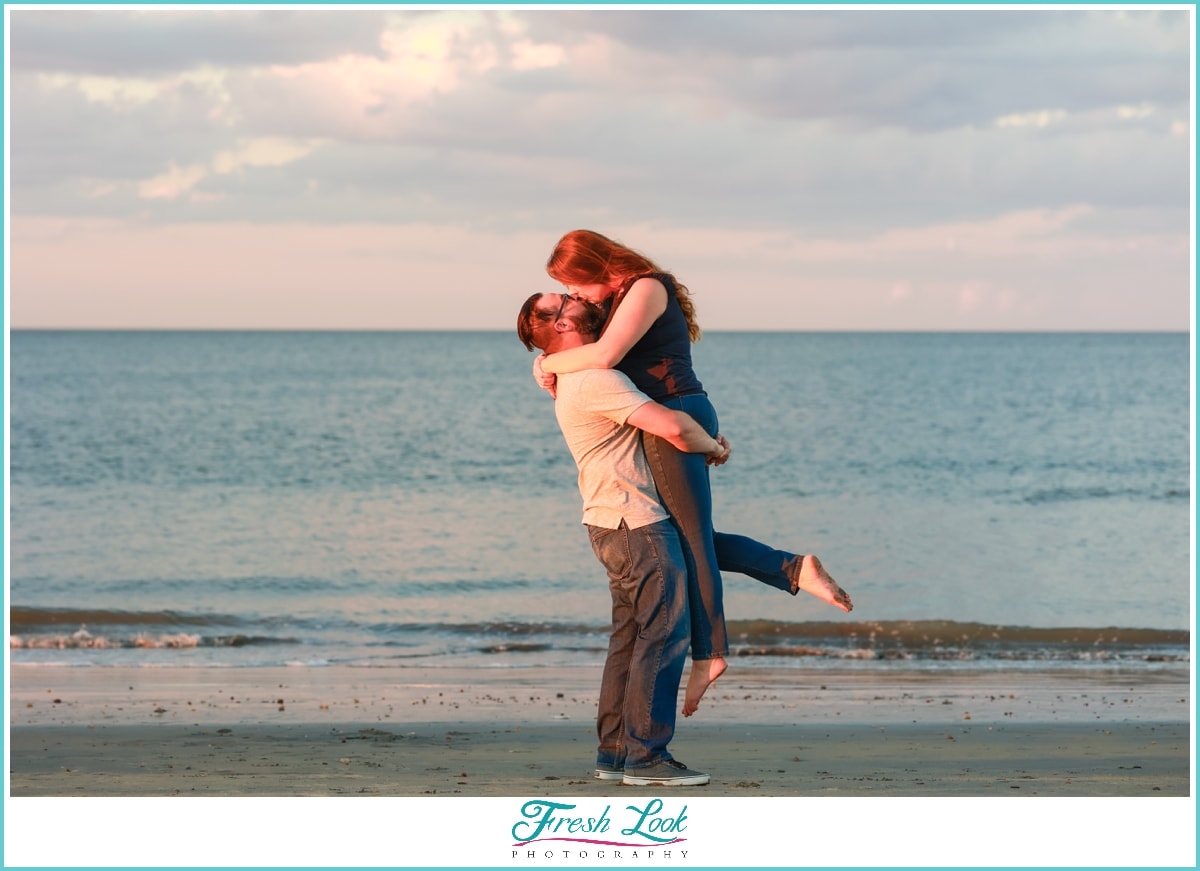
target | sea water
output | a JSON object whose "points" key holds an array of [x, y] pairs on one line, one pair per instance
{"points": [[398, 498]]}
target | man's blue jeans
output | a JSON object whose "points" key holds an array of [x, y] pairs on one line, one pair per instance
{"points": [[647, 576]]}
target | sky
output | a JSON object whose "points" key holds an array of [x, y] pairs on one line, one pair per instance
{"points": [[798, 168]]}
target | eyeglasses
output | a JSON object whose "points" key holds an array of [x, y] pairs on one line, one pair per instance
{"points": [[544, 314]]}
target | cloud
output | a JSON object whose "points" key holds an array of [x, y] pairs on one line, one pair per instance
{"points": [[918, 70], [260, 152], [1040, 118], [115, 43], [175, 182], [814, 136], [178, 181], [528, 55]]}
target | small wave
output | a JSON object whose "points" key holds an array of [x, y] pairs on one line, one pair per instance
{"points": [[923, 634], [502, 627], [82, 639], [959, 654], [463, 586], [515, 648], [515, 643], [946, 641], [1087, 494], [31, 617]]}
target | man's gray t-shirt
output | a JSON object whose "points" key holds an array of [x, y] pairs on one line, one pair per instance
{"points": [[614, 479]]}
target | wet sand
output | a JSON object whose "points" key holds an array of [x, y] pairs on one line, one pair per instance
{"points": [[522, 734], [416, 732], [551, 759]]}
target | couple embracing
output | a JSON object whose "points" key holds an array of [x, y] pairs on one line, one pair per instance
{"points": [[617, 358]]}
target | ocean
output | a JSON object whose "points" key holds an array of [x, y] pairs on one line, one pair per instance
{"points": [[394, 499]]}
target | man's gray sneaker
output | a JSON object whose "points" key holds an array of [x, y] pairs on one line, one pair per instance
{"points": [[608, 772], [669, 772]]}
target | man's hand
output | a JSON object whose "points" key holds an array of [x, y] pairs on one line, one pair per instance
{"points": [[546, 380], [720, 457]]}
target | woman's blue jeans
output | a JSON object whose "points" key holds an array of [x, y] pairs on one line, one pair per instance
{"points": [[683, 487], [648, 579]]}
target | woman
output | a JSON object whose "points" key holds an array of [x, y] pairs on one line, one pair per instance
{"points": [[648, 336]]}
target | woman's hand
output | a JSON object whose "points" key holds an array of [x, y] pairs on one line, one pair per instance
{"points": [[546, 380], [721, 457]]}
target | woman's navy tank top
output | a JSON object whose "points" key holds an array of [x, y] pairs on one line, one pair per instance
{"points": [[660, 363]]}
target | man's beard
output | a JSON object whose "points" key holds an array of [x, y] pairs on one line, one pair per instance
{"points": [[590, 321]]}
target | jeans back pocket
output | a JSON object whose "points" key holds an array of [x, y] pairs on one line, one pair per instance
{"points": [[611, 547]]}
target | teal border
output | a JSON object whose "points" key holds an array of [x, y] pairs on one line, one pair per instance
{"points": [[4, 363]]}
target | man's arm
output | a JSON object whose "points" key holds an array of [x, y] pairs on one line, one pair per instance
{"points": [[609, 393], [681, 430]]}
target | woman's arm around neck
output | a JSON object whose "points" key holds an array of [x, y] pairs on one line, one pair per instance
{"points": [[643, 304]]}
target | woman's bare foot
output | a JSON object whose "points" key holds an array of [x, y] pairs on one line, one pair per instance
{"points": [[815, 580], [704, 672]]}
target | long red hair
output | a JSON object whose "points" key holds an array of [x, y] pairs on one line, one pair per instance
{"points": [[587, 257]]}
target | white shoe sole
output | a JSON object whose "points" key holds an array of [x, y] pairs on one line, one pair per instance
{"points": [[693, 780], [601, 774]]}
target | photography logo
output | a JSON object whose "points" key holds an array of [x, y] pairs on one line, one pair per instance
{"points": [[555, 830]]}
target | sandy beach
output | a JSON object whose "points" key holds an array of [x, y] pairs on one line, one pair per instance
{"points": [[464, 734], [420, 732]]}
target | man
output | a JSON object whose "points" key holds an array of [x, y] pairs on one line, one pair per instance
{"points": [[601, 415]]}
